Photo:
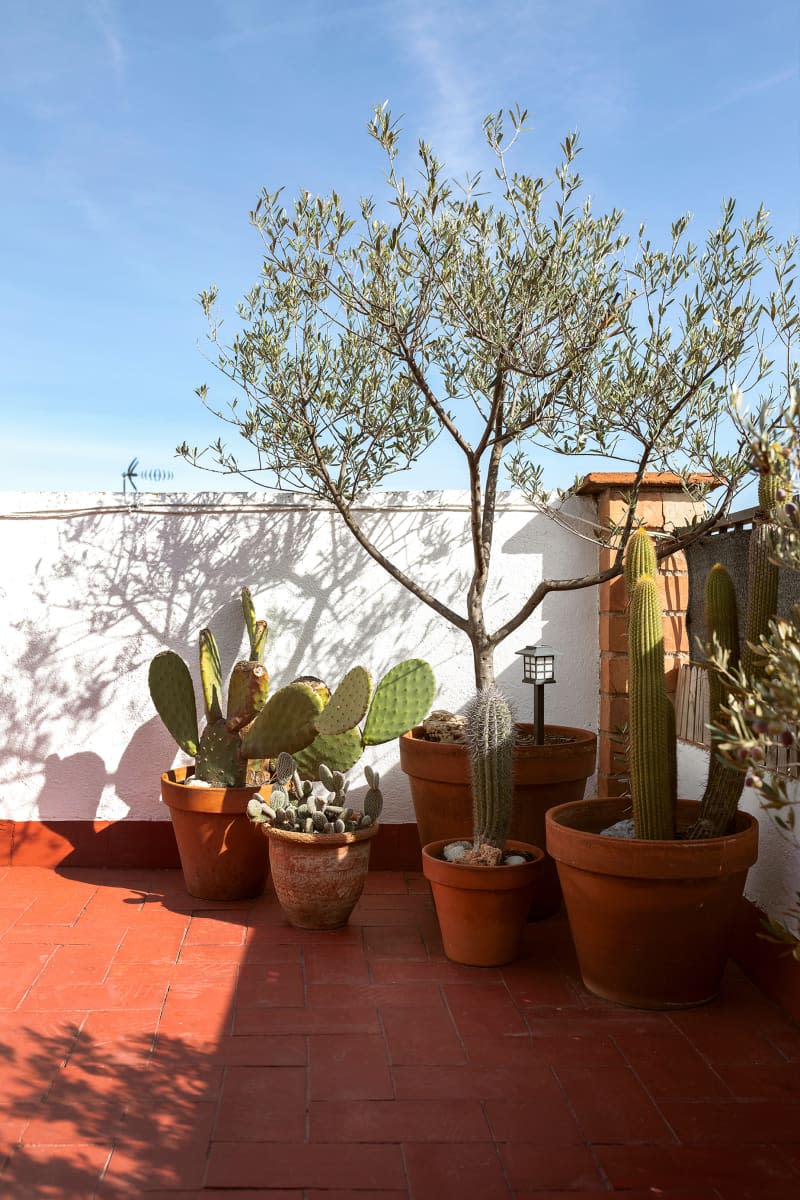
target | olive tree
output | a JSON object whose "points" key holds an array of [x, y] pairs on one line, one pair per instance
{"points": [[505, 316]]}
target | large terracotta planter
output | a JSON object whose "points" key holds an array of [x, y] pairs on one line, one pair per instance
{"points": [[318, 878], [482, 911], [544, 776], [222, 852], [651, 920]]}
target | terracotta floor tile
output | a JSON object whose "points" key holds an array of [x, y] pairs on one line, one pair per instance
{"points": [[35, 1172], [529, 1167], [670, 1068], [388, 941], [398, 1121], [612, 1106], [454, 1172], [514, 1084], [356, 996], [683, 1166], [438, 970], [734, 1122], [204, 1034], [421, 1037], [483, 1009], [270, 985], [336, 964], [262, 1104], [244, 1164], [349, 1067], [485, 1048], [218, 927]]}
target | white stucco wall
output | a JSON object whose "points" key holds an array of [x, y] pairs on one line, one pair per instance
{"points": [[88, 596], [773, 882]]}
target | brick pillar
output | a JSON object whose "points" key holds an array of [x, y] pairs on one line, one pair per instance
{"points": [[662, 506]]}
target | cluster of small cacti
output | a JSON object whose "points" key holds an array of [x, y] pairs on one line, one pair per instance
{"points": [[294, 806], [303, 718], [652, 745]]}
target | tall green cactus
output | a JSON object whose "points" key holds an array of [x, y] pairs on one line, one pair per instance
{"points": [[490, 738], [652, 741], [650, 767], [725, 781], [302, 718]]}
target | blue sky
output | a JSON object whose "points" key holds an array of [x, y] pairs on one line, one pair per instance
{"points": [[135, 136]]}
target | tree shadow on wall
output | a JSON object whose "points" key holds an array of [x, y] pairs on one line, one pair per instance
{"points": [[120, 586]]}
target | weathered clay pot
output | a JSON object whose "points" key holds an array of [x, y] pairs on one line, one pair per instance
{"points": [[544, 776], [318, 878], [222, 852], [482, 911], [651, 920]]}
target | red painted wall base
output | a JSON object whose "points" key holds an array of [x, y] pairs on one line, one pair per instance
{"points": [[151, 844]]}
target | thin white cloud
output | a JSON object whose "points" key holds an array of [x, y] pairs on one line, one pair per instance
{"points": [[755, 87], [104, 15]]}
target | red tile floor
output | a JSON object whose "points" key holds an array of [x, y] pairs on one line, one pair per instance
{"points": [[154, 1045]]}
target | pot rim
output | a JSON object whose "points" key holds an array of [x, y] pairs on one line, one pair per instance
{"points": [[477, 878], [668, 859], [578, 736], [174, 794], [321, 841]]}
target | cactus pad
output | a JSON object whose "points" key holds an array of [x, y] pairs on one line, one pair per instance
{"points": [[340, 751], [218, 760], [401, 700], [286, 722], [348, 704], [172, 691], [210, 675], [247, 694]]}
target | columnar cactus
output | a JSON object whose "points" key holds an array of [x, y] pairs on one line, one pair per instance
{"points": [[652, 742], [302, 718], [294, 807], [490, 738]]}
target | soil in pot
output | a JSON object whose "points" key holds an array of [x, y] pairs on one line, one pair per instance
{"points": [[651, 920], [482, 911], [544, 776], [318, 878], [223, 855]]}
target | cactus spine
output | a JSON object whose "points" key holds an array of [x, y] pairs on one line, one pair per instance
{"points": [[490, 737]]}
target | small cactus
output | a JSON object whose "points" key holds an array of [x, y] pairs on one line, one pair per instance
{"points": [[490, 738], [294, 807]]}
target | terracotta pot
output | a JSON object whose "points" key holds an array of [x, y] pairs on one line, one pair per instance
{"points": [[318, 878], [482, 911], [222, 852], [651, 920], [544, 776]]}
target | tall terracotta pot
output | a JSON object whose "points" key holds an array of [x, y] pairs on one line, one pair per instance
{"points": [[544, 776], [318, 877], [482, 911], [223, 855], [651, 920]]}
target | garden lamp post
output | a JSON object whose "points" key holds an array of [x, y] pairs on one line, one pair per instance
{"points": [[538, 668]]}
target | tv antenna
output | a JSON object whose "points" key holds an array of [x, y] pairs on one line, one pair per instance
{"points": [[153, 475]]}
